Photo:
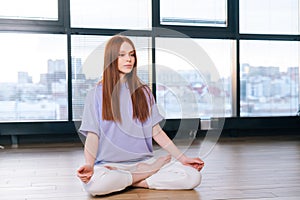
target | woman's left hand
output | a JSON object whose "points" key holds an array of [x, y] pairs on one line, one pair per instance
{"points": [[196, 163]]}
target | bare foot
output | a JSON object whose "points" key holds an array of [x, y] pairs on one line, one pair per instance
{"points": [[144, 171], [141, 184], [153, 167]]}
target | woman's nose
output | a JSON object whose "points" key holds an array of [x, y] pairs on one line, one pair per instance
{"points": [[128, 58]]}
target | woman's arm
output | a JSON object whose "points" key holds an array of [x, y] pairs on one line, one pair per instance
{"points": [[86, 171], [166, 143], [91, 148]]}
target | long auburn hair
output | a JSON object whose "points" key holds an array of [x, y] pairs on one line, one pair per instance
{"points": [[111, 84]]}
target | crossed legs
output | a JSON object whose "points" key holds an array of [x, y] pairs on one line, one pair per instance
{"points": [[108, 179]]}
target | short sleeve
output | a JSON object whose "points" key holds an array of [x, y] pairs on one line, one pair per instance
{"points": [[90, 117], [155, 115]]}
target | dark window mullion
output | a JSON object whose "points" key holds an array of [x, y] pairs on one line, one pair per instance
{"points": [[155, 24], [67, 24], [234, 7]]}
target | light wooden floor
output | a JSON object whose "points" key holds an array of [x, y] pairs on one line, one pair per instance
{"points": [[237, 168]]}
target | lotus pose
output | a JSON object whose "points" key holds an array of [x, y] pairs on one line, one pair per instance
{"points": [[120, 119]]}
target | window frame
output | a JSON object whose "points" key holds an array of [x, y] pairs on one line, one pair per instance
{"points": [[38, 25], [200, 31], [233, 124]]}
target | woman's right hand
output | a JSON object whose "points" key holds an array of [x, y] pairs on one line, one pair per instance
{"points": [[85, 173]]}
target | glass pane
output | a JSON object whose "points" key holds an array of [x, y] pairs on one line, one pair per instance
{"points": [[193, 12], [269, 16], [29, 9], [185, 90], [33, 82], [87, 65], [114, 14], [269, 78]]}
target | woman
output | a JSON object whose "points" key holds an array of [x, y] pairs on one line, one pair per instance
{"points": [[120, 119]]}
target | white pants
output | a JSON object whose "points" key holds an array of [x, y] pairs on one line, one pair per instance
{"points": [[172, 176]]}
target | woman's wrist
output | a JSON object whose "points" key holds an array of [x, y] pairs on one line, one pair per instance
{"points": [[181, 158], [89, 164]]}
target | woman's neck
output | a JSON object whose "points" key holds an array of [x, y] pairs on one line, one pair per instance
{"points": [[123, 78]]}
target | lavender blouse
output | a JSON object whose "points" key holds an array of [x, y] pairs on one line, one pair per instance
{"points": [[126, 142]]}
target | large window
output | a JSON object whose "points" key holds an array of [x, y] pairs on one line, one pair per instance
{"points": [[269, 65], [29, 9], [33, 75], [193, 88], [52, 55], [113, 14], [193, 12], [269, 78], [269, 16]]}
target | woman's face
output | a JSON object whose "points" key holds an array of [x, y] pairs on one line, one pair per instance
{"points": [[126, 59]]}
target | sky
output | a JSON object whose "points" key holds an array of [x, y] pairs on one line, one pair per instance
{"points": [[29, 53]]}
